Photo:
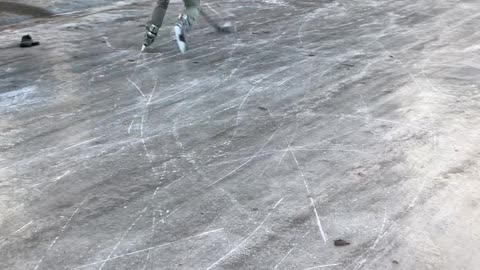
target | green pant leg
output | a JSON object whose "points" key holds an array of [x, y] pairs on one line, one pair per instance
{"points": [[191, 9], [159, 12]]}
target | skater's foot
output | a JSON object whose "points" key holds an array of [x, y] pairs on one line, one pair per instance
{"points": [[150, 35], [181, 28]]}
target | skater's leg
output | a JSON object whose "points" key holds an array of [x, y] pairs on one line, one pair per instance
{"points": [[155, 23], [191, 9], [159, 12], [185, 21]]}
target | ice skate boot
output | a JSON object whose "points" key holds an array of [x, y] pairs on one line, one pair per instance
{"points": [[150, 35], [181, 28]]}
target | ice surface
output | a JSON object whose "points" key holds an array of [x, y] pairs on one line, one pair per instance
{"points": [[315, 121]]}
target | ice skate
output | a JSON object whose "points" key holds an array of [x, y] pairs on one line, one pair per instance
{"points": [[181, 28], [150, 36]]}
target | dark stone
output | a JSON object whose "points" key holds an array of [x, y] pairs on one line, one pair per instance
{"points": [[27, 41], [341, 243]]}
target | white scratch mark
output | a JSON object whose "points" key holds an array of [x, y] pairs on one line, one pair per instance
{"points": [[278, 203], [70, 219], [301, 172], [251, 90], [312, 202], [17, 231], [309, 231], [130, 127], [243, 102], [22, 228], [152, 93], [136, 86], [82, 143], [236, 68], [323, 266], [169, 214], [53, 243], [146, 260], [153, 223], [147, 153], [283, 259], [362, 259], [195, 83], [414, 201], [304, 21], [246, 162], [39, 262], [155, 192], [62, 176], [239, 245], [381, 230], [174, 181], [226, 256], [141, 125], [123, 237], [361, 263], [283, 156], [147, 249], [320, 228], [237, 159], [61, 231]]}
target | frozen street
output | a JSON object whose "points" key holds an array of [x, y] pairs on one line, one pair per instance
{"points": [[316, 121]]}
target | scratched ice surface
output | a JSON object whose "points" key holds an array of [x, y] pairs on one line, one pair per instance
{"points": [[316, 121]]}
